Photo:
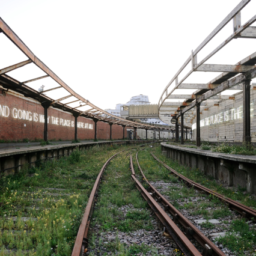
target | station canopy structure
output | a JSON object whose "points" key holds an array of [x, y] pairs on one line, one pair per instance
{"points": [[184, 97], [27, 74]]}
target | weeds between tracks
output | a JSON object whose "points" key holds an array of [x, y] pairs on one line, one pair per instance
{"points": [[240, 237], [41, 207], [121, 219]]}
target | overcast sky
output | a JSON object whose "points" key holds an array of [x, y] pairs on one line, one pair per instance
{"points": [[108, 51]]}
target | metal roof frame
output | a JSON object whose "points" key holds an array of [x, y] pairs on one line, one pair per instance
{"points": [[223, 82], [10, 83]]}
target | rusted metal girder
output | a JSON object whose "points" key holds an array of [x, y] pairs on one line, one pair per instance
{"points": [[49, 73], [35, 79], [15, 66], [245, 211], [55, 88], [191, 229]]}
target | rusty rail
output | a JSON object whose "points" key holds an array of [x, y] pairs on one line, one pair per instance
{"points": [[209, 247], [81, 238], [178, 236], [244, 210]]}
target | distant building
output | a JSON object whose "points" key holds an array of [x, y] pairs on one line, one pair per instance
{"points": [[135, 100]]}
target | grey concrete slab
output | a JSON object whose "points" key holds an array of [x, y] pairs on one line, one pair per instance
{"points": [[201, 221], [232, 157]]}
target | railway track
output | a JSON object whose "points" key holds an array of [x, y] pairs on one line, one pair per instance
{"points": [[203, 231], [162, 208], [244, 210], [40, 207], [81, 243]]}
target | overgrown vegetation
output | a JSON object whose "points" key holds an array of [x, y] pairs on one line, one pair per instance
{"points": [[194, 174], [240, 238], [235, 149], [44, 143], [222, 148], [118, 191], [41, 207]]}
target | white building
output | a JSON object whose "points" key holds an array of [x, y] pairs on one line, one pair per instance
{"points": [[136, 100]]}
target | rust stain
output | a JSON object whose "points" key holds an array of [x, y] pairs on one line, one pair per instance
{"points": [[238, 68]]}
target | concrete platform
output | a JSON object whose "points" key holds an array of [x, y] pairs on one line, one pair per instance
{"points": [[230, 169], [12, 159]]}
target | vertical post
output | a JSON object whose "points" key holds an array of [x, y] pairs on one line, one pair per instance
{"points": [[186, 133], [177, 130], [198, 140], [246, 115], [76, 115], [135, 130], [110, 132], [95, 129], [154, 134], [146, 134], [123, 130], [46, 106], [182, 129]]}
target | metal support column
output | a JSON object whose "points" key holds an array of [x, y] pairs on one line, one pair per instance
{"points": [[146, 134], [95, 129], [182, 129], [186, 133], [76, 115], [110, 132], [176, 131], [246, 115], [159, 134], [123, 131], [198, 140], [135, 130], [45, 106]]}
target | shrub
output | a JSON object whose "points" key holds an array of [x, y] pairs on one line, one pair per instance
{"points": [[75, 156], [241, 150], [44, 143], [205, 147]]}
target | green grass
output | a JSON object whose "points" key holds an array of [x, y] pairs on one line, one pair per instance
{"points": [[207, 225], [118, 190], [53, 216], [234, 149], [240, 238], [209, 182]]}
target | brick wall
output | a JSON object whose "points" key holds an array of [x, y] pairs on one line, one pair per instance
{"points": [[22, 118]]}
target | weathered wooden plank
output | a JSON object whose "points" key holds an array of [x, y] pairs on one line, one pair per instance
{"points": [[250, 32], [180, 96], [241, 29], [229, 17], [197, 86], [223, 68]]}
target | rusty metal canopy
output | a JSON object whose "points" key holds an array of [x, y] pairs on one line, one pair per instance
{"points": [[174, 99], [21, 86]]}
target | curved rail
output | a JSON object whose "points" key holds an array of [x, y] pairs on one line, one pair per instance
{"points": [[245, 211], [81, 239], [207, 244], [178, 236]]}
